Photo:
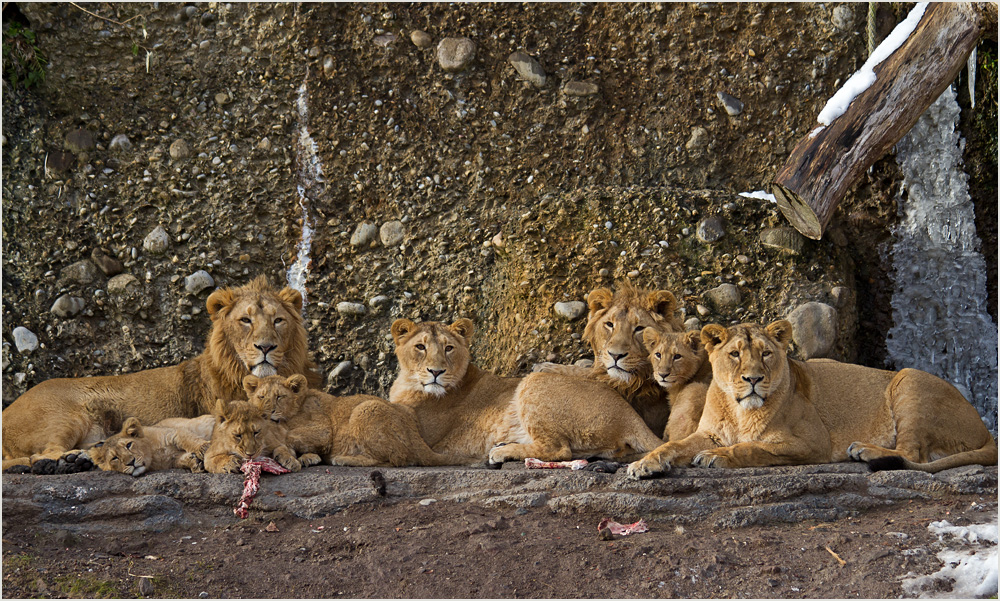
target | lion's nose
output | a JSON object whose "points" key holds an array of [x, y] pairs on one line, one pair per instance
{"points": [[753, 380], [618, 358], [265, 348], [435, 372]]}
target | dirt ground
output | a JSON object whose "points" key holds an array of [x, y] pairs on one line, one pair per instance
{"points": [[448, 549]]}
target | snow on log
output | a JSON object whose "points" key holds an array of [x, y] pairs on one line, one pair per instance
{"points": [[866, 121]]}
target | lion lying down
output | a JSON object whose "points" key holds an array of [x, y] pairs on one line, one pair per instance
{"points": [[463, 410], [357, 430], [175, 442], [255, 329], [763, 409]]}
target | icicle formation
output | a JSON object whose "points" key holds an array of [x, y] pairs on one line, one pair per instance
{"points": [[939, 272], [310, 174]]}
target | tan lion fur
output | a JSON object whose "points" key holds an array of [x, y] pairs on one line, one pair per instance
{"points": [[176, 442], [242, 431], [680, 366], [464, 410], [358, 430], [614, 328], [820, 411], [63, 414]]}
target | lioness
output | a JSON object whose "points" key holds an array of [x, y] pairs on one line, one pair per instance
{"points": [[614, 329], [764, 409], [680, 366], [174, 442], [255, 329], [464, 410], [358, 430], [243, 432]]}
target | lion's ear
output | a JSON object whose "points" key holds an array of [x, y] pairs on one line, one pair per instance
{"points": [[662, 302], [220, 409], [132, 427], [464, 328], [219, 300], [650, 338], [714, 335], [693, 340], [781, 331], [293, 297], [599, 298], [296, 383], [250, 384], [400, 328]]}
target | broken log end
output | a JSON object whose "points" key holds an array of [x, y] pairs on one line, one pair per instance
{"points": [[797, 212]]}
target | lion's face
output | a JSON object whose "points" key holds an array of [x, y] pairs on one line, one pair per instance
{"points": [[433, 357], [258, 327], [128, 452], [615, 325], [749, 362], [278, 397], [675, 357], [239, 429]]}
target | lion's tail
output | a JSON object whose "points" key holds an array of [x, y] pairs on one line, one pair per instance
{"points": [[985, 455]]}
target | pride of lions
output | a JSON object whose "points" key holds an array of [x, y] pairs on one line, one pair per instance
{"points": [[656, 396]]}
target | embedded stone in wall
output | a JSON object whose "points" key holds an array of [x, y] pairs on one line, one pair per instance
{"points": [[814, 329]]}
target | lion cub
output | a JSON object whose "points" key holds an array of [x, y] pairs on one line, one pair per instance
{"points": [[170, 443], [681, 367], [243, 432], [357, 430]]}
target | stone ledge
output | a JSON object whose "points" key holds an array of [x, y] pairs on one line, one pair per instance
{"points": [[727, 498]]}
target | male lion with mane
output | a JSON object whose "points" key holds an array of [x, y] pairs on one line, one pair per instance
{"points": [[614, 329], [255, 329], [763, 409]]}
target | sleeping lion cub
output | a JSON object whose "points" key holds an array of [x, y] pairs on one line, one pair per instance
{"points": [[358, 430], [173, 442]]}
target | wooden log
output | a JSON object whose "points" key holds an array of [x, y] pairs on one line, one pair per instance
{"points": [[828, 161]]}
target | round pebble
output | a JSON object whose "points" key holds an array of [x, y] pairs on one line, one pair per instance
{"points": [[392, 233], [711, 229], [156, 242], [421, 39], [180, 150], [67, 306], [352, 309], [455, 54], [364, 234], [571, 311], [24, 339], [198, 281]]}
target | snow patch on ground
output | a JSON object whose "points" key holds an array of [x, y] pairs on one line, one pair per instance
{"points": [[865, 76], [971, 568], [759, 194]]}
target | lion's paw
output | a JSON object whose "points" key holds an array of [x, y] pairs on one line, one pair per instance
{"points": [[647, 468], [289, 463], [712, 459], [309, 459], [199, 453]]}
